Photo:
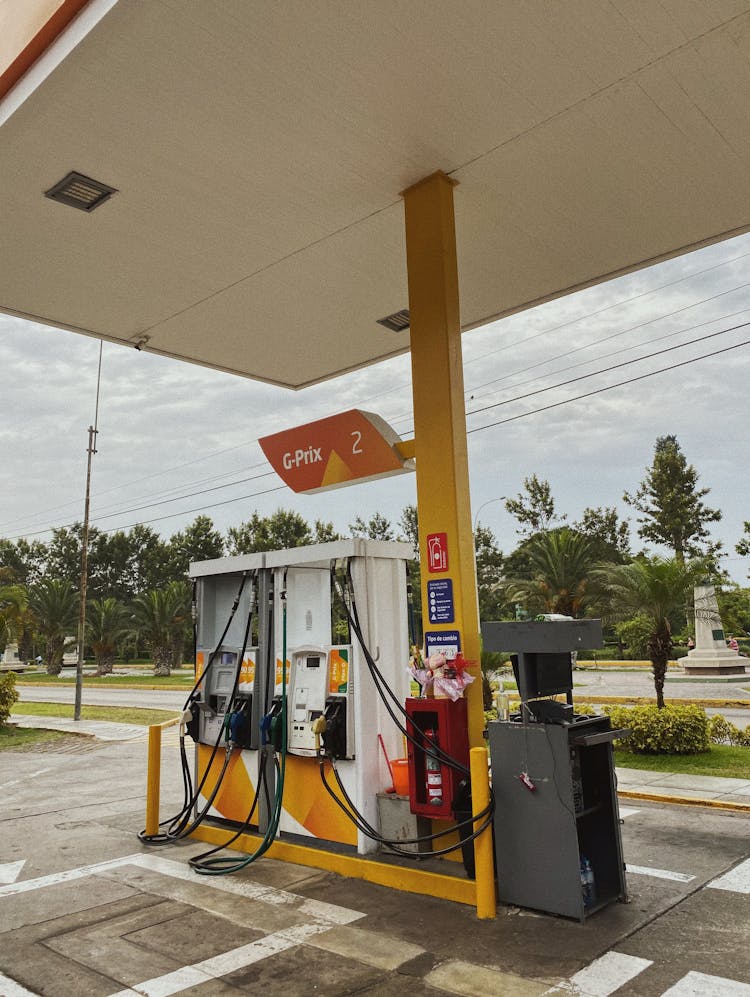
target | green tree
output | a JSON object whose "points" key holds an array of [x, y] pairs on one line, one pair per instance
{"points": [[199, 541], [54, 604], [376, 528], [743, 544], [558, 581], [489, 566], [534, 507], [280, 531], [657, 588], [64, 553], [148, 561], [324, 532], [409, 528], [107, 622], [670, 503], [26, 560], [14, 605], [609, 536], [734, 607], [159, 619]]}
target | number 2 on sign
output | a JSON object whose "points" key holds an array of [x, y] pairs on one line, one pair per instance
{"points": [[356, 448]]}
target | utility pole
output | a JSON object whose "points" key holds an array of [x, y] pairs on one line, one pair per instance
{"points": [[93, 431]]}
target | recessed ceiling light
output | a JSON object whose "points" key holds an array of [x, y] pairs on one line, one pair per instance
{"points": [[80, 191], [396, 322]]}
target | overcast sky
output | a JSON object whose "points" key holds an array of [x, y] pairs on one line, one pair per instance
{"points": [[168, 428]]}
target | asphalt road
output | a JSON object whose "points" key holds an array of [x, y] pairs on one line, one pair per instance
{"points": [[593, 683], [155, 699], [71, 926]]}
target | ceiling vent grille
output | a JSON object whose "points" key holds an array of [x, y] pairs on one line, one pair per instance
{"points": [[80, 192], [396, 322]]}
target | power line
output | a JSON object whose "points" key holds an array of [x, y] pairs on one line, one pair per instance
{"points": [[189, 512], [614, 353], [574, 321], [616, 304], [117, 505], [614, 335], [607, 370], [478, 429], [608, 387]]}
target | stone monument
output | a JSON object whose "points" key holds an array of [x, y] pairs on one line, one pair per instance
{"points": [[711, 656]]}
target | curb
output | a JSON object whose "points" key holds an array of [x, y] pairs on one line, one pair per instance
{"points": [[148, 688], [650, 700], [683, 801]]}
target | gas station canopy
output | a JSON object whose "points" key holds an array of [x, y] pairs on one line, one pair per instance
{"points": [[258, 151]]}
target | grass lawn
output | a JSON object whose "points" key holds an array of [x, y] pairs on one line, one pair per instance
{"points": [[116, 714], [183, 679], [722, 760], [18, 738]]}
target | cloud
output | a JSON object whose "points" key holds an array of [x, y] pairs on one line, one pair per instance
{"points": [[168, 428]]}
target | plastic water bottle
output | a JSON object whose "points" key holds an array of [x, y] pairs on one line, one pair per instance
{"points": [[587, 883]]}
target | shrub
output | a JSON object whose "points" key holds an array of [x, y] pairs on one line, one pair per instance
{"points": [[635, 634], [722, 731], [673, 730], [8, 695]]}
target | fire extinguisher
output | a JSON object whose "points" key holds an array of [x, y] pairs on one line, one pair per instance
{"points": [[434, 775]]}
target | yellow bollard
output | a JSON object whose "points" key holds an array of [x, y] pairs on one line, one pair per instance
{"points": [[484, 864], [153, 785]]}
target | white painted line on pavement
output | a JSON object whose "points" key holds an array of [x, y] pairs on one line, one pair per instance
{"points": [[603, 976], [330, 913], [629, 811], [10, 871], [9, 988], [702, 985], [219, 965], [644, 870], [737, 880], [27, 885], [31, 775]]}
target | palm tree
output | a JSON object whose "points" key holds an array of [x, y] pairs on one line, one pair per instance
{"points": [[16, 619], [560, 579], [107, 621], [159, 618], [54, 604], [657, 588], [13, 604]]}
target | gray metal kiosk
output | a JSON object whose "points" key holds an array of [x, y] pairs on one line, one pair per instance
{"points": [[557, 830]]}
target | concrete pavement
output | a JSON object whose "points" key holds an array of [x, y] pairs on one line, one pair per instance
{"points": [[88, 910]]}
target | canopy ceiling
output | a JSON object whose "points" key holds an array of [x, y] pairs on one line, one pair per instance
{"points": [[258, 150]]}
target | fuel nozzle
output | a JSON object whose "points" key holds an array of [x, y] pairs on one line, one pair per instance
{"points": [[319, 726]]}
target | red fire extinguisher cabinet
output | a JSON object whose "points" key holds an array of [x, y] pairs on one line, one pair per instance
{"points": [[448, 723]]}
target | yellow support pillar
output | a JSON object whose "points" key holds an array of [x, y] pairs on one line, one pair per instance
{"points": [[443, 500], [153, 784]]}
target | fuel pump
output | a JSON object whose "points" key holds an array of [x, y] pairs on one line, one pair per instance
{"points": [[321, 685], [307, 698], [327, 681]]}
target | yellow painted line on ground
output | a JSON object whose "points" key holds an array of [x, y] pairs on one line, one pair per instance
{"points": [[631, 794], [650, 701], [428, 884], [103, 685]]}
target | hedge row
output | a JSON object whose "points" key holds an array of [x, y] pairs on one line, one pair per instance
{"points": [[8, 695], [674, 730]]}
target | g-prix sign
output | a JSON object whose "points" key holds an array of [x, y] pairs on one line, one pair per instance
{"points": [[328, 453]]}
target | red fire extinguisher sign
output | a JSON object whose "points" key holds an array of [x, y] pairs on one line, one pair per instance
{"points": [[437, 552]]}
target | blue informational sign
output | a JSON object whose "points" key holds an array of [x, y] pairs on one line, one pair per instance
{"points": [[440, 601], [447, 641]]}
